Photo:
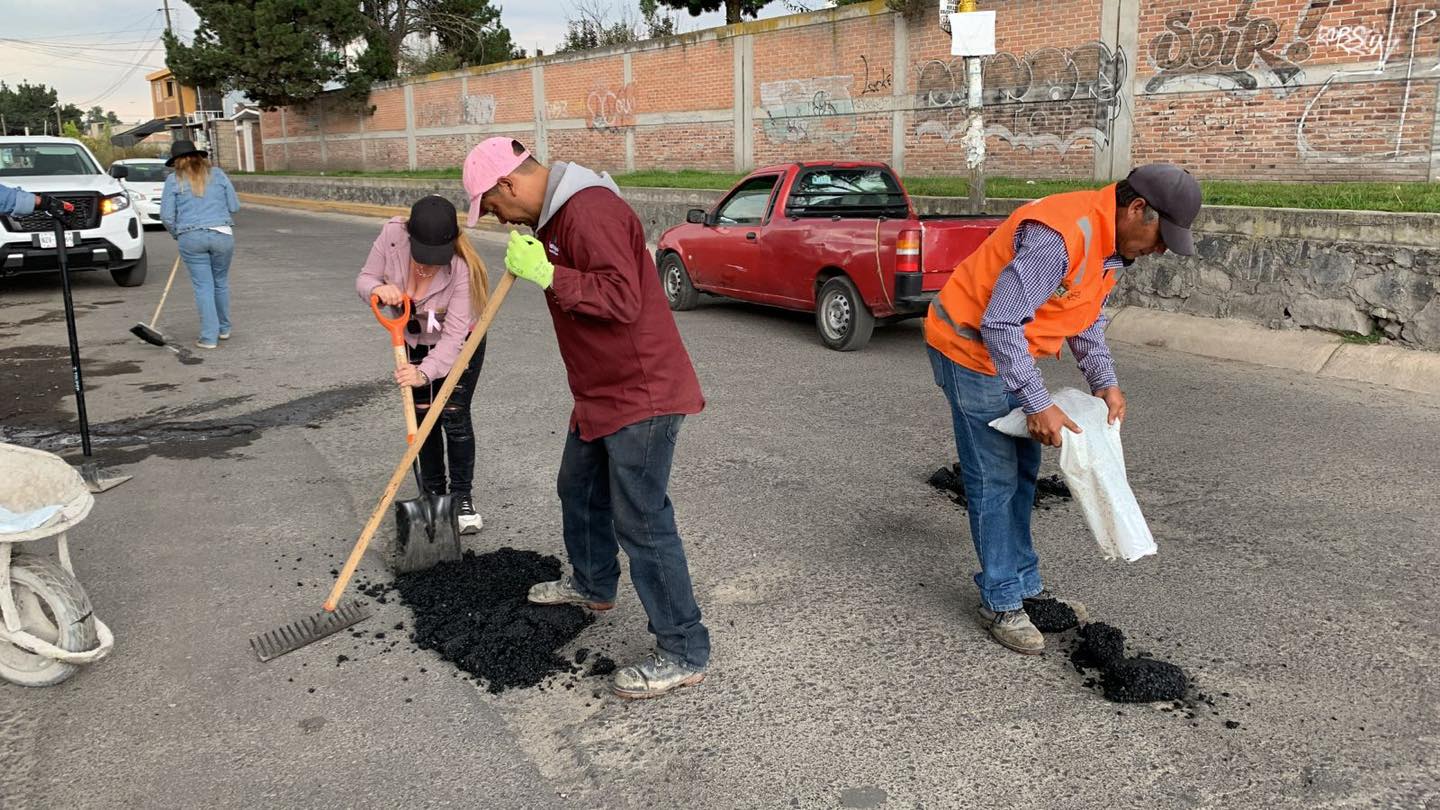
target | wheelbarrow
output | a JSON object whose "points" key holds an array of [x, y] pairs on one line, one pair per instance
{"points": [[47, 627]]}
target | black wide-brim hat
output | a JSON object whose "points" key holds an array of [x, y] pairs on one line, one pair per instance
{"points": [[181, 149]]}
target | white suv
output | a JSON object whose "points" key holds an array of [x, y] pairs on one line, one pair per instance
{"points": [[104, 232]]}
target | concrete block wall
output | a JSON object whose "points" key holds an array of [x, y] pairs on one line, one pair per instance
{"points": [[1244, 89]]}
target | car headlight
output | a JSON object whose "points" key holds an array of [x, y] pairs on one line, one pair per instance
{"points": [[113, 203], [136, 196]]}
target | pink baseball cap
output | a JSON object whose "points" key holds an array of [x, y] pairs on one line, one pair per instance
{"points": [[489, 161]]}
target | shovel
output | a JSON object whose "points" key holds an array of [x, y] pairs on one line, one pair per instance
{"points": [[336, 616], [427, 530]]}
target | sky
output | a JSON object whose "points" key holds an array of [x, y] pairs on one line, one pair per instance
{"points": [[101, 54]]}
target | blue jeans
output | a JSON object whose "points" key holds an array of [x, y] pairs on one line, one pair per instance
{"points": [[207, 256], [613, 495], [999, 472]]}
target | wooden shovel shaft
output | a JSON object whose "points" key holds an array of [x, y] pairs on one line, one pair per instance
{"points": [[407, 394], [412, 450], [163, 295]]}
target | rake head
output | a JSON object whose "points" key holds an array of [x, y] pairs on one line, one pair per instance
{"points": [[308, 630]]}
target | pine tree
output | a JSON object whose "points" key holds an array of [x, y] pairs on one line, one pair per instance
{"points": [[281, 52]]}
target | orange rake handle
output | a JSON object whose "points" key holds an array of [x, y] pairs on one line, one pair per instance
{"points": [[396, 328]]}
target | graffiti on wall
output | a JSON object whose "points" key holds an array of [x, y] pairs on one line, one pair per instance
{"points": [[479, 110], [611, 108], [1239, 54], [1051, 98], [1327, 132], [814, 109], [1253, 59]]}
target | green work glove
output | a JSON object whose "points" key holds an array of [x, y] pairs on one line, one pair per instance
{"points": [[525, 257]]}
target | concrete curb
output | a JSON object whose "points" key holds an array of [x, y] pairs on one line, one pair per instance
{"points": [[1319, 353]]}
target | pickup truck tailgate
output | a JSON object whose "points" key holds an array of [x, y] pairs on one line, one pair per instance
{"points": [[944, 243]]}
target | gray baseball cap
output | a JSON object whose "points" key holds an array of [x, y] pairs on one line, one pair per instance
{"points": [[1175, 196]]}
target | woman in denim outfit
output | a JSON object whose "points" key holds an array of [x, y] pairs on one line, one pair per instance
{"points": [[196, 207]]}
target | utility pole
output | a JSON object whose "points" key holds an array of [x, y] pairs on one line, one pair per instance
{"points": [[59, 127], [4, 130], [179, 87], [974, 139]]}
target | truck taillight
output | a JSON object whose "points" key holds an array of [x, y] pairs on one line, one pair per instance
{"points": [[907, 252]]}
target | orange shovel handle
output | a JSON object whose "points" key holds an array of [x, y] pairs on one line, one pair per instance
{"points": [[396, 328]]}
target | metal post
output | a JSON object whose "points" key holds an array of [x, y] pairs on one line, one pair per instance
{"points": [[974, 139]]}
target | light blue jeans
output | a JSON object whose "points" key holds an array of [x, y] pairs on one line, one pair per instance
{"points": [[207, 256], [999, 472]]}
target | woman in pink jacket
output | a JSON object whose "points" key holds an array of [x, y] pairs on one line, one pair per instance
{"points": [[427, 258]]}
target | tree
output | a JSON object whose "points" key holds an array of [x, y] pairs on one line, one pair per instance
{"points": [[657, 23], [591, 27], [735, 10], [33, 106], [466, 32], [282, 52]]}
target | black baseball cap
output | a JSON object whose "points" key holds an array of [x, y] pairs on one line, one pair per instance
{"points": [[1175, 196], [433, 230]]}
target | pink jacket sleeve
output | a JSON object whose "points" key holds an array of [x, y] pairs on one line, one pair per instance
{"points": [[456, 328]]}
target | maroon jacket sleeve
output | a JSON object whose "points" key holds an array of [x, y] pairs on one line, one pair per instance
{"points": [[605, 283]]}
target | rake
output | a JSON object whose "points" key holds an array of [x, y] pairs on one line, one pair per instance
{"points": [[336, 617]]}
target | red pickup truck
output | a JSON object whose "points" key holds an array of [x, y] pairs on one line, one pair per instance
{"points": [[841, 240]]}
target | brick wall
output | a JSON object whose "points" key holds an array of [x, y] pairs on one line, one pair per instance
{"points": [[1277, 89]]}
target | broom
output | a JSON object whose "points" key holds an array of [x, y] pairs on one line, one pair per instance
{"points": [[336, 617], [148, 332]]}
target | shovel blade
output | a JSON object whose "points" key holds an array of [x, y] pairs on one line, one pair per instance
{"points": [[97, 480], [427, 532]]}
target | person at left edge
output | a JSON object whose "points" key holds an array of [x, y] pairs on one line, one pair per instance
{"points": [[16, 201]]}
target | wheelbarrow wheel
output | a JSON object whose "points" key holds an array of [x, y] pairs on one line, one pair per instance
{"points": [[53, 606]]}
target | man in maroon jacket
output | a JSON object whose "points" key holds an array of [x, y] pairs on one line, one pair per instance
{"points": [[633, 385]]}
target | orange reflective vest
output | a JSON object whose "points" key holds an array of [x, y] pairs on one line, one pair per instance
{"points": [[1086, 221]]}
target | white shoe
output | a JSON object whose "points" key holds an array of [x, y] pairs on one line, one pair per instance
{"points": [[465, 515]]}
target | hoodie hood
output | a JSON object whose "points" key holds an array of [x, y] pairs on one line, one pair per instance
{"points": [[567, 180]]}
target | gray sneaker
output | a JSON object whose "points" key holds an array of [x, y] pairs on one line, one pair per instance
{"points": [[564, 592], [1013, 629], [653, 677], [1078, 607]]}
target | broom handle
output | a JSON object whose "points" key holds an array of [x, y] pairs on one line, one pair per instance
{"points": [[173, 268], [412, 450]]}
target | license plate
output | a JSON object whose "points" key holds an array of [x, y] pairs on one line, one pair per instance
{"points": [[47, 240]]}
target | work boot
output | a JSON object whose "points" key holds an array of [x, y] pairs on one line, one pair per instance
{"points": [[1078, 607], [564, 592], [1013, 629], [465, 514], [653, 677]]}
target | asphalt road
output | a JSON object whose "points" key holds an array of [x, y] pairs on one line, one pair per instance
{"points": [[1295, 580]]}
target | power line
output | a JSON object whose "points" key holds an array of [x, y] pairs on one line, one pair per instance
{"points": [[111, 90]]}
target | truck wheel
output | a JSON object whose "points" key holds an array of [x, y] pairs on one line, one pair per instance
{"points": [[132, 276], [52, 606], [844, 322], [679, 291]]}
